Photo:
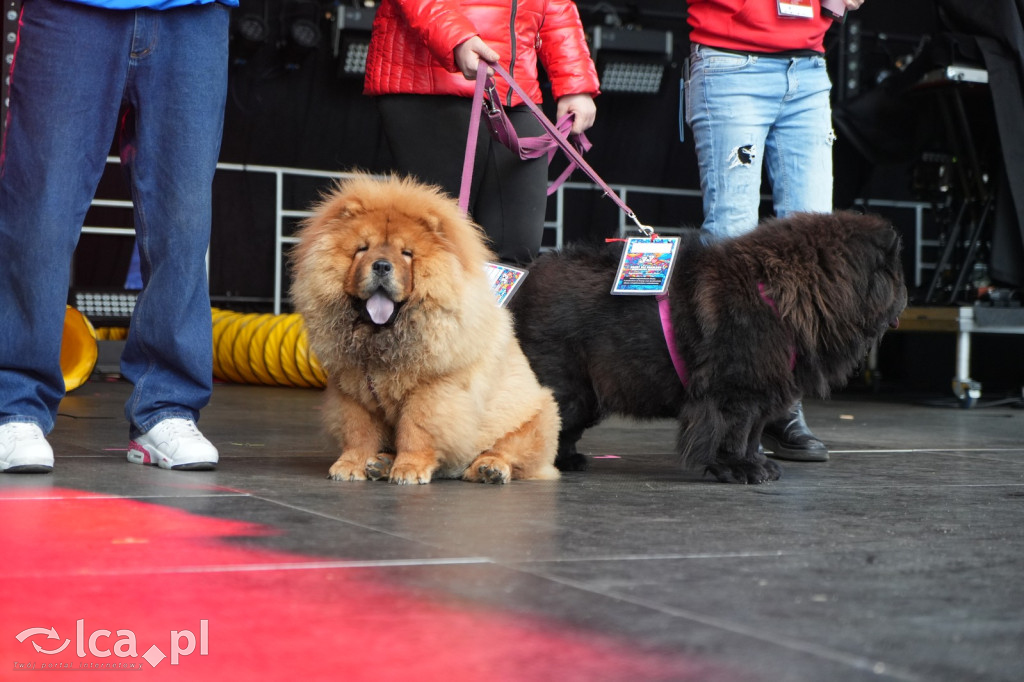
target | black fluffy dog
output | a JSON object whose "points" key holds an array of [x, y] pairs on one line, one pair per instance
{"points": [[788, 309]]}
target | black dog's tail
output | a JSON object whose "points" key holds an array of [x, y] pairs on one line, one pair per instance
{"points": [[701, 429]]}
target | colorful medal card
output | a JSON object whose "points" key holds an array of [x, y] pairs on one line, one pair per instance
{"points": [[646, 265], [504, 280]]}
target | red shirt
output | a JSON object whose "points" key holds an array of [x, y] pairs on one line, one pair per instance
{"points": [[755, 26]]}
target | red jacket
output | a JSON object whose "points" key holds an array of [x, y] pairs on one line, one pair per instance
{"points": [[412, 47], [754, 26]]}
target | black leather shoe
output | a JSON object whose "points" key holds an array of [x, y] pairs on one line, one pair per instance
{"points": [[789, 438]]}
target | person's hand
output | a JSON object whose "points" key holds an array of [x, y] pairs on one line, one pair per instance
{"points": [[581, 105], [853, 4], [469, 54]]}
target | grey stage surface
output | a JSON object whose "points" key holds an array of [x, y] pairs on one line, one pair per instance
{"points": [[900, 559]]}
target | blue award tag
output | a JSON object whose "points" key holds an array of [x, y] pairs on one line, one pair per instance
{"points": [[646, 265]]}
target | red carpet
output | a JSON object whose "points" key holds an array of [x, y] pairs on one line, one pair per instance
{"points": [[147, 571]]}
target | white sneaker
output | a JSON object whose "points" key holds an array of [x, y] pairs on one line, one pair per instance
{"points": [[24, 450], [174, 444]]}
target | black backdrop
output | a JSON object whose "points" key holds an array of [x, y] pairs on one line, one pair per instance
{"points": [[298, 113], [307, 117], [304, 116]]}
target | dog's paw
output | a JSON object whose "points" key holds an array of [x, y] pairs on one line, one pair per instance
{"points": [[488, 469], [406, 473], [379, 467], [347, 470], [773, 470], [745, 472], [572, 461]]}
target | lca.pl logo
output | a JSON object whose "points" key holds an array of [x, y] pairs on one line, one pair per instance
{"points": [[99, 644]]}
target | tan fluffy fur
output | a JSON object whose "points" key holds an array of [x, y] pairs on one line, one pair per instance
{"points": [[443, 390]]}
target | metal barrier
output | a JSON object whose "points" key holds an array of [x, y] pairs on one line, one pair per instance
{"points": [[920, 243], [958, 320], [627, 193]]}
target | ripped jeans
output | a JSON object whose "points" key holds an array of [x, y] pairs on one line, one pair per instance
{"points": [[746, 111]]}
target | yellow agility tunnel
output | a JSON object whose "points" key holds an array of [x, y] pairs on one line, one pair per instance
{"points": [[248, 348], [78, 349], [262, 348]]}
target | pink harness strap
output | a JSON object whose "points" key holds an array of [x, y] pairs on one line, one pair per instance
{"points": [[670, 336], [670, 340], [762, 290]]}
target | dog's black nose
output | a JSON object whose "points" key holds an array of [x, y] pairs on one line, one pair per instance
{"points": [[382, 267]]}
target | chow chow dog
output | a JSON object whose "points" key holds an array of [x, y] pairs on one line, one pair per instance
{"points": [[757, 321], [425, 378]]}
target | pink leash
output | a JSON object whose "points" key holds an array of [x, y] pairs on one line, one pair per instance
{"points": [[556, 136]]}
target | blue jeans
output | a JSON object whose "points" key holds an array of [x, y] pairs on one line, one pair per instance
{"points": [[74, 67], [748, 111]]}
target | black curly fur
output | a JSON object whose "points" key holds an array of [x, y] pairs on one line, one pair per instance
{"points": [[836, 281]]}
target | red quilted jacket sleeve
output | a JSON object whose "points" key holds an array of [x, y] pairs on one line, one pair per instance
{"points": [[412, 47], [440, 25], [564, 52]]}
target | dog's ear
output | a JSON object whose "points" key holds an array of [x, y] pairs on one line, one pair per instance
{"points": [[432, 222], [895, 241], [351, 207], [888, 239]]}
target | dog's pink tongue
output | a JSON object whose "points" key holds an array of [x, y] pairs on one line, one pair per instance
{"points": [[380, 308]]}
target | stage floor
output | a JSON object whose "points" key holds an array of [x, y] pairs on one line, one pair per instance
{"points": [[899, 559]]}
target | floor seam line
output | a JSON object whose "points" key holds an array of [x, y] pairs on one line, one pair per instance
{"points": [[857, 662]]}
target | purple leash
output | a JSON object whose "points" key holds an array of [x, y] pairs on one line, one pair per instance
{"points": [[556, 136]]}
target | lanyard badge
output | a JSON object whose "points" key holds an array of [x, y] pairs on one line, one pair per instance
{"points": [[796, 9], [646, 265], [504, 281]]}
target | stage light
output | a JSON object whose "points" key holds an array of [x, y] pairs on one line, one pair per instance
{"points": [[300, 23], [352, 27], [249, 33], [10, 39], [631, 61], [105, 307], [850, 61]]}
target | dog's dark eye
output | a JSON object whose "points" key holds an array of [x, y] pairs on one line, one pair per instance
{"points": [[364, 247], [407, 253]]}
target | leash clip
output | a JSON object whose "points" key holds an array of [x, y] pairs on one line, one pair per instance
{"points": [[645, 229], [491, 100]]}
